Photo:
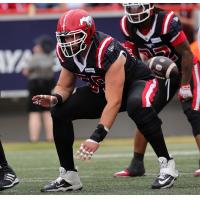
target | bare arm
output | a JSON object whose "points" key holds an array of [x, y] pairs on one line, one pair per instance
{"points": [[187, 61], [63, 89], [114, 84], [65, 84]]}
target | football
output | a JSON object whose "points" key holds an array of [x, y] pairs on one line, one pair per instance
{"points": [[163, 67]]}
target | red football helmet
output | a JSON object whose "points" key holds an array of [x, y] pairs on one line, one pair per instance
{"points": [[75, 30], [138, 12]]}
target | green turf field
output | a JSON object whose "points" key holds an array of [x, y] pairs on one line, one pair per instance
{"points": [[36, 164]]}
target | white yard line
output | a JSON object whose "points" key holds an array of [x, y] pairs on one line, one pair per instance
{"points": [[106, 156], [34, 180], [117, 155], [126, 155]]}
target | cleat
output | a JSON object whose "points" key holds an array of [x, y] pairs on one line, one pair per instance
{"points": [[67, 181], [168, 174], [197, 172], [123, 173], [137, 169], [8, 178]]}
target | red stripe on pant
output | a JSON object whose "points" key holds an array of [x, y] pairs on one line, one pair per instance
{"points": [[196, 86], [149, 92]]}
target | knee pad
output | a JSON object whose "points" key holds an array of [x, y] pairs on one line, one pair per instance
{"points": [[146, 120]]}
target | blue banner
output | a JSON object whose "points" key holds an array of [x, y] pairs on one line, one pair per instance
{"points": [[17, 39]]}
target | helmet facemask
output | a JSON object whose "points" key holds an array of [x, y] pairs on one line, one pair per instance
{"points": [[71, 43], [137, 12]]}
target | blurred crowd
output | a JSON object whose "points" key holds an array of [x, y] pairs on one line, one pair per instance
{"points": [[188, 12], [19, 8]]}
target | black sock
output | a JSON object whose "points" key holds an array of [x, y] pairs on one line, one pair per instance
{"points": [[158, 144], [136, 166], [138, 156], [3, 161], [64, 138]]}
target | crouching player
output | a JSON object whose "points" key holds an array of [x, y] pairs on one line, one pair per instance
{"points": [[117, 83]]}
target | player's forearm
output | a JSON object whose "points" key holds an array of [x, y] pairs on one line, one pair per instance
{"points": [[109, 114], [64, 92], [187, 64]]}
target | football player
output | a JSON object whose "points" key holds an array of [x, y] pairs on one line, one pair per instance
{"points": [[8, 177], [155, 32], [116, 82]]}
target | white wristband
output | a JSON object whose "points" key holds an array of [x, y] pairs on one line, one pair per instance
{"points": [[90, 140], [107, 129]]}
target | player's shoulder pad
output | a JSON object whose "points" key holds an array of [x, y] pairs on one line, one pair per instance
{"points": [[102, 50], [171, 22]]}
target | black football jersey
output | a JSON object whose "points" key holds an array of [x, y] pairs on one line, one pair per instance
{"points": [[165, 33], [103, 52]]}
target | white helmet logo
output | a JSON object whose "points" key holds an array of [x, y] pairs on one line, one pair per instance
{"points": [[87, 19]]}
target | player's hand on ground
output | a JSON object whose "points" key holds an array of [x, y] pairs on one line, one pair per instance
{"points": [[86, 150], [47, 101]]}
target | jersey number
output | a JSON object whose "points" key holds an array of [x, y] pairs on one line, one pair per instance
{"points": [[164, 50], [95, 81]]}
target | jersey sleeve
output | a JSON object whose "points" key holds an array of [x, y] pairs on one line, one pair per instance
{"points": [[172, 29], [131, 48], [110, 54]]}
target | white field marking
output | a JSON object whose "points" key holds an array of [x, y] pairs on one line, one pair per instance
{"points": [[35, 180], [116, 155], [127, 155]]}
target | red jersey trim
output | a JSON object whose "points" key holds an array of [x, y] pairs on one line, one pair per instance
{"points": [[101, 51], [149, 92], [196, 87], [195, 60], [178, 39], [167, 22]]}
